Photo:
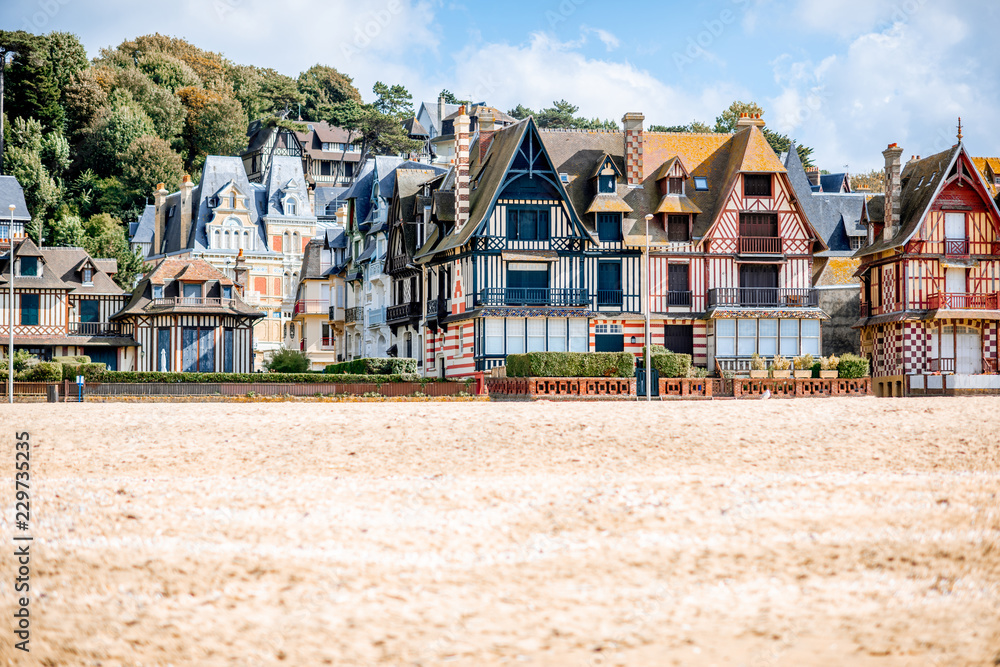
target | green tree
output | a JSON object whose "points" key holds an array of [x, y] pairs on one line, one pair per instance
{"points": [[263, 92], [288, 361], [12, 43], [394, 101], [164, 108], [218, 128], [167, 71], [110, 133], [34, 92], [104, 237], [321, 87], [68, 57], [65, 228], [520, 112], [28, 150], [84, 97], [149, 161]]}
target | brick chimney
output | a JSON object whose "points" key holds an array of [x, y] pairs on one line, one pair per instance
{"points": [[749, 120], [241, 274], [159, 218], [185, 209], [813, 174], [892, 156], [461, 168], [632, 122], [487, 126]]}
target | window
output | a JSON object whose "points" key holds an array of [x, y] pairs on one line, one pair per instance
{"points": [[579, 335], [759, 224], [756, 185], [88, 276], [192, 290], [609, 283], [527, 224], [157, 291], [810, 337], [678, 285], [675, 186], [607, 329], [747, 337], [227, 292], [515, 336], [679, 338], [609, 227], [536, 335], [29, 266], [90, 310], [789, 338], [526, 280], [700, 183], [494, 337], [290, 206], [678, 228], [564, 177], [557, 335], [227, 350], [857, 242], [198, 349], [29, 309], [767, 338], [606, 184], [725, 338]]}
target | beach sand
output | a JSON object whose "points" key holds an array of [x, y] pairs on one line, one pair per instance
{"points": [[804, 532]]}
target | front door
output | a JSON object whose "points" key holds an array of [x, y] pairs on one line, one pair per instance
{"points": [[759, 285], [678, 286], [609, 338], [679, 338], [103, 355], [964, 346], [609, 284], [955, 281]]}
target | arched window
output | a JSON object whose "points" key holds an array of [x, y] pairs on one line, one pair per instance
{"points": [[296, 246], [288, 282], [246, 240], [216, 239], [290, 205], [226, 239]]}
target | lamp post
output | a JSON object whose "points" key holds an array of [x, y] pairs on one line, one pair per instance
{"points": [[645, 311], [10, 319]]}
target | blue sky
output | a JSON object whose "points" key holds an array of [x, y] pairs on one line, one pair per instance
{"points": [[846, 77]]}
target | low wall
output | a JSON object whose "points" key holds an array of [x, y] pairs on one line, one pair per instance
{"points": [[685, 387], [809, 388], [532, 388]]}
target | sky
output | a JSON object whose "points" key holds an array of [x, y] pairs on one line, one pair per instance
{"points": [[846, 77]]}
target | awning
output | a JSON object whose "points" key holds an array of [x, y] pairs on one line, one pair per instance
{"points": [[676, 204], [731, 313], [608, 203], [529, 256]]}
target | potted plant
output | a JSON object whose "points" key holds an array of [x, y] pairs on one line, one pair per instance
{"points": [[828, 367], [758, 367], [780, 367], [803, 366]]}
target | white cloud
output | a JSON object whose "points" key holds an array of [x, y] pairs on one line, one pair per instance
{"points": [[610, 41], [545, 69]]}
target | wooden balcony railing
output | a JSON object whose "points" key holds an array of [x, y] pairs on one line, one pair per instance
{"points": [[678, 298], [760, 245], [763, 297], [943, 365], [198, 301], [962, 301], [437, 307], [356, 314], [310, 307], [534, 296], [956, 247], [403, 311], [99, 329]]}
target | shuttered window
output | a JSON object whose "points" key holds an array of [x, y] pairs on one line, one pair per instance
{"points": [[756, 185]]}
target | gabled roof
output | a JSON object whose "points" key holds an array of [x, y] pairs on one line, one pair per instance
{"points": [[59, 271], [27, 248], [414, 128], [12, 193], [200, 270], [143, 230], [335, 237], [664, 171], [835, 216], [834, 183], [676, 204]]}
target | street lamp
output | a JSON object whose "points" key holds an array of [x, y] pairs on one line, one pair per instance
{"points": [[10, 320], [645, 312]]}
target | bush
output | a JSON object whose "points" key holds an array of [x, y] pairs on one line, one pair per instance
{"points": [[46, 371], [672, 364], [288, 361], [757, 362], [156, 376], [90, 372], [829, 363], [72, 360], [852, 366], [374, 366], [816, 368], [571, 364], [22, 360], [803, 363], [698, 372], [779, 363]]}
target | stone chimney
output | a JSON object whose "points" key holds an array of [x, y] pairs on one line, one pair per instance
{"points": [[632, 122], [241, 274], [185, 209], [749, 120], [441, 112], [813, 174], [461, 168], [487, 126], [892, 156], [159, 219]]}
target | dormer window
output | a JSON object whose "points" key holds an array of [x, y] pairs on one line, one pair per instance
{"points": [[675, 186], [678, 228], [157, 291], [757, 185], [29, 266], [227, 292], [88, 276], [192, 290], [290, 206], [700, 183], [232, 201], [606, 184]]}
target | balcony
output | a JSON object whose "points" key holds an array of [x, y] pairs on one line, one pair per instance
{"points": [[760, 245], [437, 307], [962, 301], [310, 307], [6, 228], [610, 297], [403, 312], [336, 313], [535, 296], [189, 302], [956, 247], [375, 317], [943, 365], [327, 343], [375, 270], [679, 298], [99, 329], [763, 297], [356, 314]]}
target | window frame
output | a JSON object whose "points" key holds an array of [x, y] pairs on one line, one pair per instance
{"points": [[700, 183], [22, 308], [609, 220], [606, 185], [678, 218], [33, 262], [514, 222], [758, 179]]}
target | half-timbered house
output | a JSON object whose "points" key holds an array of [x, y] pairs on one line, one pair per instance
{"points": [[930, 277], [542, 247], [189, 317]]}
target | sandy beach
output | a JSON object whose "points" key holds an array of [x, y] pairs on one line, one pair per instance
{"points": [[805, 532]]}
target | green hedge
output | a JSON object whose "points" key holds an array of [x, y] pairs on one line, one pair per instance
{"points": [[571, 364], [90, 372], [155, 376], [672, 364], [72, 360], [373, 366], [852, 366], [46, 371]]}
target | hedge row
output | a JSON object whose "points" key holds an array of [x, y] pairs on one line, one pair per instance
{"points": [[571, 364], [373, 366], [672, 364], [852, 366]]}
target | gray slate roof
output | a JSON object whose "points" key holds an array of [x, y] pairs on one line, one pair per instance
{"points": [[835, 216], [12, 193], [61, 270], [144, 229]]}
